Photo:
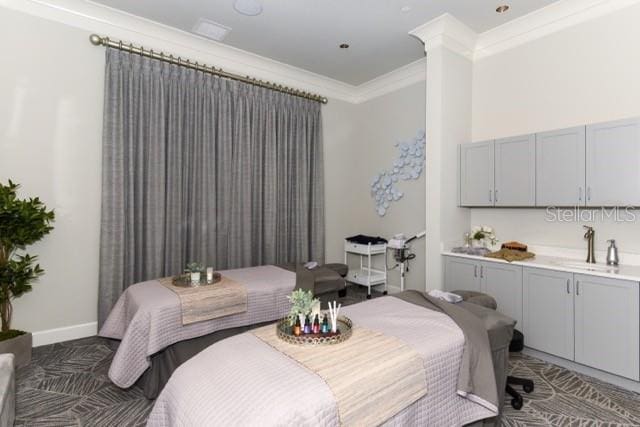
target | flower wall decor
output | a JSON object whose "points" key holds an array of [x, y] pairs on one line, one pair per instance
{"points": [[407, 166]]}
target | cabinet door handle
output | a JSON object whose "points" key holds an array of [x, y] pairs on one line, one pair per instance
{"points": [[490, 196], [588, 194], [568, 290], [482, 272], [579, 194], [578, 288], [495, 196], [475, 271]]}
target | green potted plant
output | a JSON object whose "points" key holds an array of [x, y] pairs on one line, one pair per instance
{"points": [[303, 304], [23, 222]]}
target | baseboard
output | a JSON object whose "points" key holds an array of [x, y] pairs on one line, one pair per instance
{"points": [[592, 372], [393, 289], [66, 333]]}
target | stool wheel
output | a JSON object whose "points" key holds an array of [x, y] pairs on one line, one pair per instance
{"points": [[368, 296], [528, 388], [384, 293], [516, 403]]}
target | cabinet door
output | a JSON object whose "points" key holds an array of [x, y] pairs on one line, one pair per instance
{"points": [[548, 311], [461, 274], [607, 325], [515, 175], [613, 163], [560, 167], [504, 283], [476, 174]]}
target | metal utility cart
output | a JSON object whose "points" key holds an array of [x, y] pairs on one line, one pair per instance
{"points": [[367, 275]]}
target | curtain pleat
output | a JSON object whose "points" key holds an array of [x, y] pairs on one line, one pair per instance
{"points": [[199, 168]]}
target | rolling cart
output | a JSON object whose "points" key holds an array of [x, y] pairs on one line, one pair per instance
{"points": [[366, 275]]}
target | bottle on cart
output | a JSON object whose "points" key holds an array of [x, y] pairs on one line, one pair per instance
{"points": [[307, 325]]}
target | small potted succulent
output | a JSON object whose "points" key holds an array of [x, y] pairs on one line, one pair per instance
{"points": [[23, 222], [303, 304], [483, 235], [194, 269]]}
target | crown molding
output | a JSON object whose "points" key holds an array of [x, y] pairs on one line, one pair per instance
{"points": [[399, 78], [446, 30], [97, 18], [555, 17]]}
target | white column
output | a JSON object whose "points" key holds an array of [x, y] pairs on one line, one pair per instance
{"points": [[449, 46]]}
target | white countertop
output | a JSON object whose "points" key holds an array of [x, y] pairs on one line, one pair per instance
{"points": [[624, 272]]}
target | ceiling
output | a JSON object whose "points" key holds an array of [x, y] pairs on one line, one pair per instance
{"points": [[307, 33]]}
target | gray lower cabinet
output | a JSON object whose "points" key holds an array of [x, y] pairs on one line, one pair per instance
{"points": [[606, 325], [500, 280], [504, 283], [548, 311], [461, 274]]}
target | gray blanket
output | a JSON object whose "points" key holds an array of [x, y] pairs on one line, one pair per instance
{"points": [[319, 280], [477, 379], [243, 381]]}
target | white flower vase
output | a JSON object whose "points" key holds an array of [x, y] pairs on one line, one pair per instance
{"points": [[478, 243]]}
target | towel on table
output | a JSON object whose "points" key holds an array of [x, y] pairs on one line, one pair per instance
{"points": [[445, 296]]}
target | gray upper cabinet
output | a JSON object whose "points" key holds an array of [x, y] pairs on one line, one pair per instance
{"points": [[476, 174], [613, 163], [560, 167], [606, 325], [515, 175]]}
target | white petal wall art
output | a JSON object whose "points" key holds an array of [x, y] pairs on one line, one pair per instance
{"points": [[407, 166]]}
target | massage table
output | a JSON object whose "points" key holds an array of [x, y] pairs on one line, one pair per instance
{"points": [[153, 341], [243, 380]]}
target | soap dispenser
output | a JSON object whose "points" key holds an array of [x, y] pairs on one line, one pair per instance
{"points": [[612, 253]]}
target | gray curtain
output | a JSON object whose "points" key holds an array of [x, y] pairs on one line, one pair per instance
{"points": [[200, 168]]}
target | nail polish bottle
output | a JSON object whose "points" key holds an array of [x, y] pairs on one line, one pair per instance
{"points": [[307, 325], [316, 325], [325, 325], [296, 327]]}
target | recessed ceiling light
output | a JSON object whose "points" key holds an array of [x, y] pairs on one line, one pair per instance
{"points": [[405, 9], [344, 46], [502, 9], [248, 7], [211, 30]]}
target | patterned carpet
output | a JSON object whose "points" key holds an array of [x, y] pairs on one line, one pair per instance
{"points": [[66, 385]]}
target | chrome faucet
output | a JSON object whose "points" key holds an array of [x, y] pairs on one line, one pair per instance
{"points": [[589, 235]]}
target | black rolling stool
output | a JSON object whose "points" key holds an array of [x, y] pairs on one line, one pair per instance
{"points": [[516, 345]]}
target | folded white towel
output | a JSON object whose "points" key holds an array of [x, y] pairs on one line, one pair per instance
{"points": [[445, 296]]}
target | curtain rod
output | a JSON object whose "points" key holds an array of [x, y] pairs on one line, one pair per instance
{"points": [[96, 40]]}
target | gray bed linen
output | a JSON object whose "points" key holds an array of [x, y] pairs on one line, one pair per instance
{"points": [[487, 337], [148, 317], [319, 280], [244, 381]]}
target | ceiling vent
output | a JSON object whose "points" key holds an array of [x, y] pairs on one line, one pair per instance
{"points": [[211, 30]]}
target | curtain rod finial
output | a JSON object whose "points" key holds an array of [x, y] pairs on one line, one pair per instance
{"points": [[324, 100], [95, 39]]}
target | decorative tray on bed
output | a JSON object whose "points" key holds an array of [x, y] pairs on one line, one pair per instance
{"points": [[285, 333], [184, 280]]}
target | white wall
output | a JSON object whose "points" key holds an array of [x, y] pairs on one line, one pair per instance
{"points": [[584, 74], [380, 123], [51, 86]]}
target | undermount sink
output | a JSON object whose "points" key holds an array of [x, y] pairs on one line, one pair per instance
{"points": [[586, 266]]}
